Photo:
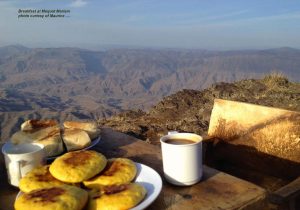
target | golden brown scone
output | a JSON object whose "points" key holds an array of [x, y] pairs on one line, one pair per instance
{"points": [[33, 125], [39, 177], [58, 198], [118, 171], [90, 127], [77, 166], [75, 139], [116, 197]]}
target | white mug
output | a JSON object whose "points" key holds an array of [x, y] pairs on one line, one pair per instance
{"points": [[22, 158], [182, 163]]}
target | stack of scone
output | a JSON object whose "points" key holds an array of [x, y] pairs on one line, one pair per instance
{"points": [[73, 135], [81, 179]]}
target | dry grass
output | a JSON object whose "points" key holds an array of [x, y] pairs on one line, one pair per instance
{"points": [[228, 130], [275, 80]]}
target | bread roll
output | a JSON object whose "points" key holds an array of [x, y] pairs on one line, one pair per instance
{"points": [[49, 137], [53, 144], [21, 137], [33, 125], [75, 139], [90, 127], [31, 136]]}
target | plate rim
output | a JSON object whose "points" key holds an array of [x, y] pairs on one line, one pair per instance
{"points": [[159, 188]]}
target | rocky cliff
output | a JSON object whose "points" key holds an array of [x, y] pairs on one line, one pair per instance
{"points": [[189, 110]]}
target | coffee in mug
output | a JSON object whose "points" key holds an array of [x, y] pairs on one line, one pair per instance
{"points": [[182, 158], [179, 141]]}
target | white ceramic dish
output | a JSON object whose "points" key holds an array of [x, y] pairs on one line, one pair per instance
{"points": [[147, 177], [151, 180], [93, 143]]}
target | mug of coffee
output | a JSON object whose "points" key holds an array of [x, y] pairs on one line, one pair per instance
{"points": [[22, 158], [182, 158]]}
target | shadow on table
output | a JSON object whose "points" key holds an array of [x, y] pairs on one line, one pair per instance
{"points": [[111, 143]]}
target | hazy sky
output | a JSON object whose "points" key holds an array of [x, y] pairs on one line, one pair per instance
{"points": [[205, 24]]}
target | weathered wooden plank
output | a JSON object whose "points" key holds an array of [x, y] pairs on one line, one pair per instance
{"points": [[269, 130], [287, 192], [264, 138]]}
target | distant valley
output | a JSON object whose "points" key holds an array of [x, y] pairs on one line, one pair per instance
{"points": [[72, 83]]}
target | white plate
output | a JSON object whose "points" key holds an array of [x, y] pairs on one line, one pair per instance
{"points": [[93, 143], [147, 177], [151, 180]]}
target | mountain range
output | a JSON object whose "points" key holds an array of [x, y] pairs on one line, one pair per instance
{"points": [[73, 83]]}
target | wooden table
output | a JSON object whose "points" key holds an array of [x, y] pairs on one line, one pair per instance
{"points": [[217, 190]]}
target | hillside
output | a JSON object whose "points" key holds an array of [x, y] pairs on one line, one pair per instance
{"points": [[73, 83], [189, 110]]}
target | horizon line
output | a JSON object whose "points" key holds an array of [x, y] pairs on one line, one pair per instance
{"points": [[101, 47]]}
